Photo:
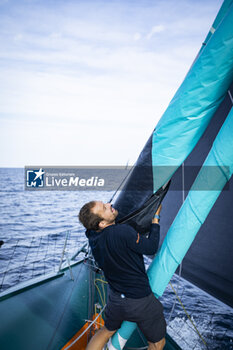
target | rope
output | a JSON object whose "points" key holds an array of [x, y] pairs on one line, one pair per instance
{"points": [[103, 299], [121, 184], [54, 251], [46, 252], [180, 268], [85, 329], [37, 253], [199, 334], [64, 309], [8, 265], [91, 295], [25, 259]]}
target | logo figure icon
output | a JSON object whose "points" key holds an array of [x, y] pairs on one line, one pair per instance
{"points": [[35, 178]]}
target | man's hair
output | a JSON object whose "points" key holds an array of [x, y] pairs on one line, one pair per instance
{"points": [[89, 219]]}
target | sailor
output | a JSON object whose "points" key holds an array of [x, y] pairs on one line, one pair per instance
{"points": [[118, 250]]}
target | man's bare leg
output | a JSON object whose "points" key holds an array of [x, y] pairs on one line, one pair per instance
{"points": [[100, 339], [157, 346]]}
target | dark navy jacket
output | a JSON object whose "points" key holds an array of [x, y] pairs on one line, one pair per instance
{"points": [[118, 250]]}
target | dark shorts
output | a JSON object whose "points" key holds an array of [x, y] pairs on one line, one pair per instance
{"points": [[147, 312]]}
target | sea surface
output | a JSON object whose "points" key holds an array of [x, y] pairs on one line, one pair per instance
{"points": [[34, 226]]}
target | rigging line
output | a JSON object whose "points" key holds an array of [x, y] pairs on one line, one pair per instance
{"points": [[178, 335], [96, 323], [102, 284], [121, 184], [231, 98], [63, 251], [46, 252], [62, 315], [32, 272], [8, 265], [25, 259], [103, 299], [90, 265], [85, 330], [203, 340], [37, 253], [103, 290], [91, 295], [100, 280], [54, 252], [98, 289], [183, 182], [180, 267]]}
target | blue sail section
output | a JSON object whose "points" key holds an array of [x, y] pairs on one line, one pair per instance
{"points": [[179, 130], [208, 263], [217, 170], [221, 14], [194, 104], [213, 176]]}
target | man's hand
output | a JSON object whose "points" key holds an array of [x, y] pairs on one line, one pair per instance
{"points": [[158, 210], [156, 220]]}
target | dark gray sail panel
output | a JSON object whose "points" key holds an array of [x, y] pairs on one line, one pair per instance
{"points": [[209, 261], [139, 185]]}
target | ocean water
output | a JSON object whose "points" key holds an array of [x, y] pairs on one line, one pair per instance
{"points": [[34, 226]]}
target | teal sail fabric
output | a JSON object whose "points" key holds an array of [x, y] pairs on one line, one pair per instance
{"points": [[194, 104], [214, 174], [222, 12], [177, 133]]}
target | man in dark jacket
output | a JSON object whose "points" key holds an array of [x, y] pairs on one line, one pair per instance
{"points": [[119, 249]]}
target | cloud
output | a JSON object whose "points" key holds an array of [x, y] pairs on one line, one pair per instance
{"points": [[85, 70], [155, 30]]}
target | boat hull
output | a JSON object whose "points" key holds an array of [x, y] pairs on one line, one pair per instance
{"points": [[46, 313]]}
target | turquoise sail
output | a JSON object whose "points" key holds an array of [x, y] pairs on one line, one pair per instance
{"points": [[177, 133], [214, 174], [194, 104], [221, 13]]}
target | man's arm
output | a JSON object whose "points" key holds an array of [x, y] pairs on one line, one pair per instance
{"points": [[142, 245]]}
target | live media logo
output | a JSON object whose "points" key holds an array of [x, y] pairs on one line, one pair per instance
{"points": [[35, 178], [63, 178]]}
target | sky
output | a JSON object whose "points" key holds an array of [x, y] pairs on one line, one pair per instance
{"points": [[84, 82]]}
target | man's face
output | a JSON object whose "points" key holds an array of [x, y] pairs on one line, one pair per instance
{"points": [[105, 211]]}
